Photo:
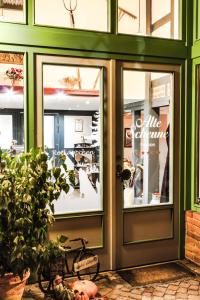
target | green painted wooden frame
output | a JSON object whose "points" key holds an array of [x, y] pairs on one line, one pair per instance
{"points": [[194, 134], [31, 40]]}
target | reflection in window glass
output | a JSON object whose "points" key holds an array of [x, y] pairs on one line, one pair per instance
{"points": [[12, 11], [147, 137], [160, 11], [72, 122], [165, 29], [79, 14], [11, 102], [152, 18], [49, 132]]}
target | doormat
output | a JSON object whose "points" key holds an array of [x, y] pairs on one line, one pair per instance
{"points": [[155, 274]]}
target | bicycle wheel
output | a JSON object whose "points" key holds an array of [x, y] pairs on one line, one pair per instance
{"points": [[89, 273], [45, 283], [47, 274]]}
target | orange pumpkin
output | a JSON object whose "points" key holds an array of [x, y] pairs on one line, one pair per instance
{"points": [[81, 296], [86, 286]]}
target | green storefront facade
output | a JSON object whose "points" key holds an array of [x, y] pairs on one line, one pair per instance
{"points": [[33, 40]]}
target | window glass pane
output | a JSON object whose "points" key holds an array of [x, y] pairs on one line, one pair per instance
{"points": [[11, 102], [86, 14], [12, 11], [72, 124], [49, 132], [6, 131], [163, 30], [151, 18], [159, 10], [147, 137]]}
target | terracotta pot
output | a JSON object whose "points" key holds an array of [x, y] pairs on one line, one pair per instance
{"points": [[12, 287]]}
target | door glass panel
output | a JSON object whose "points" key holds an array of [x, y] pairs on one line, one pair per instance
{"points": [[11, 102], [147, 105], [84, 14], [6, 131], [145, 17], [49, 132], [72, 124], [12, 11]]}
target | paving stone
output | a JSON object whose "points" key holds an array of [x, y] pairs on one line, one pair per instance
{"points": [[169, 297], [194, 287], [160, 289], [193, 282], [182, 290], [115, 288], [125, 289], [176, 283], [146, 294], [137, 291], [191, 292], [149, 289], [184, 284], [136, 296], [170, 292], [181, 296], [158, 294], [172, 287]]}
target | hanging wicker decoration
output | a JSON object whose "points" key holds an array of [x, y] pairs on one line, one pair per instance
{"points": [[71, 6]]}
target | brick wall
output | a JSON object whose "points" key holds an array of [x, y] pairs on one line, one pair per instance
{"points": [[192, 238]]}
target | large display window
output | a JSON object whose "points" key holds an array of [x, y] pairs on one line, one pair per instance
{"points": [[73, 115], [74, 14], [149, 17], [11, 102], [148, 136]]}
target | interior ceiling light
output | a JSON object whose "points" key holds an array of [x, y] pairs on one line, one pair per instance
{"points": [[60, 95], [9, 93], [71, 6]]}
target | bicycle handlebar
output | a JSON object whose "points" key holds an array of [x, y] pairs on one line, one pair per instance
{"points": [[79, 239], [67, 247]]}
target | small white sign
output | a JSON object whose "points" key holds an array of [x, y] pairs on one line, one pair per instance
{"points": [[86, 263]]}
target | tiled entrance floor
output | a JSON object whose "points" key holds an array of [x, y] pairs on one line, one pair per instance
{"points": [[114, 287]]}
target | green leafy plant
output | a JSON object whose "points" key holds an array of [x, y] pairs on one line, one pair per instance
{"points": [[52, 257], [27, 194]]}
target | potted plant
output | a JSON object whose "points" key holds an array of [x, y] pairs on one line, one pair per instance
{"points": [[28, 190]]}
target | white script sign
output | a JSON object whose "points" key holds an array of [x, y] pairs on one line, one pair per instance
{"points": [[86, 263]]}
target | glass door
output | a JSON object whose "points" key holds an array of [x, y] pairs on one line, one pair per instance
{"points": [[72, 99], [148, 114]]}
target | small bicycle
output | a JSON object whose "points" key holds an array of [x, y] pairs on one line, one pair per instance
{"points": [[84, 264]]}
